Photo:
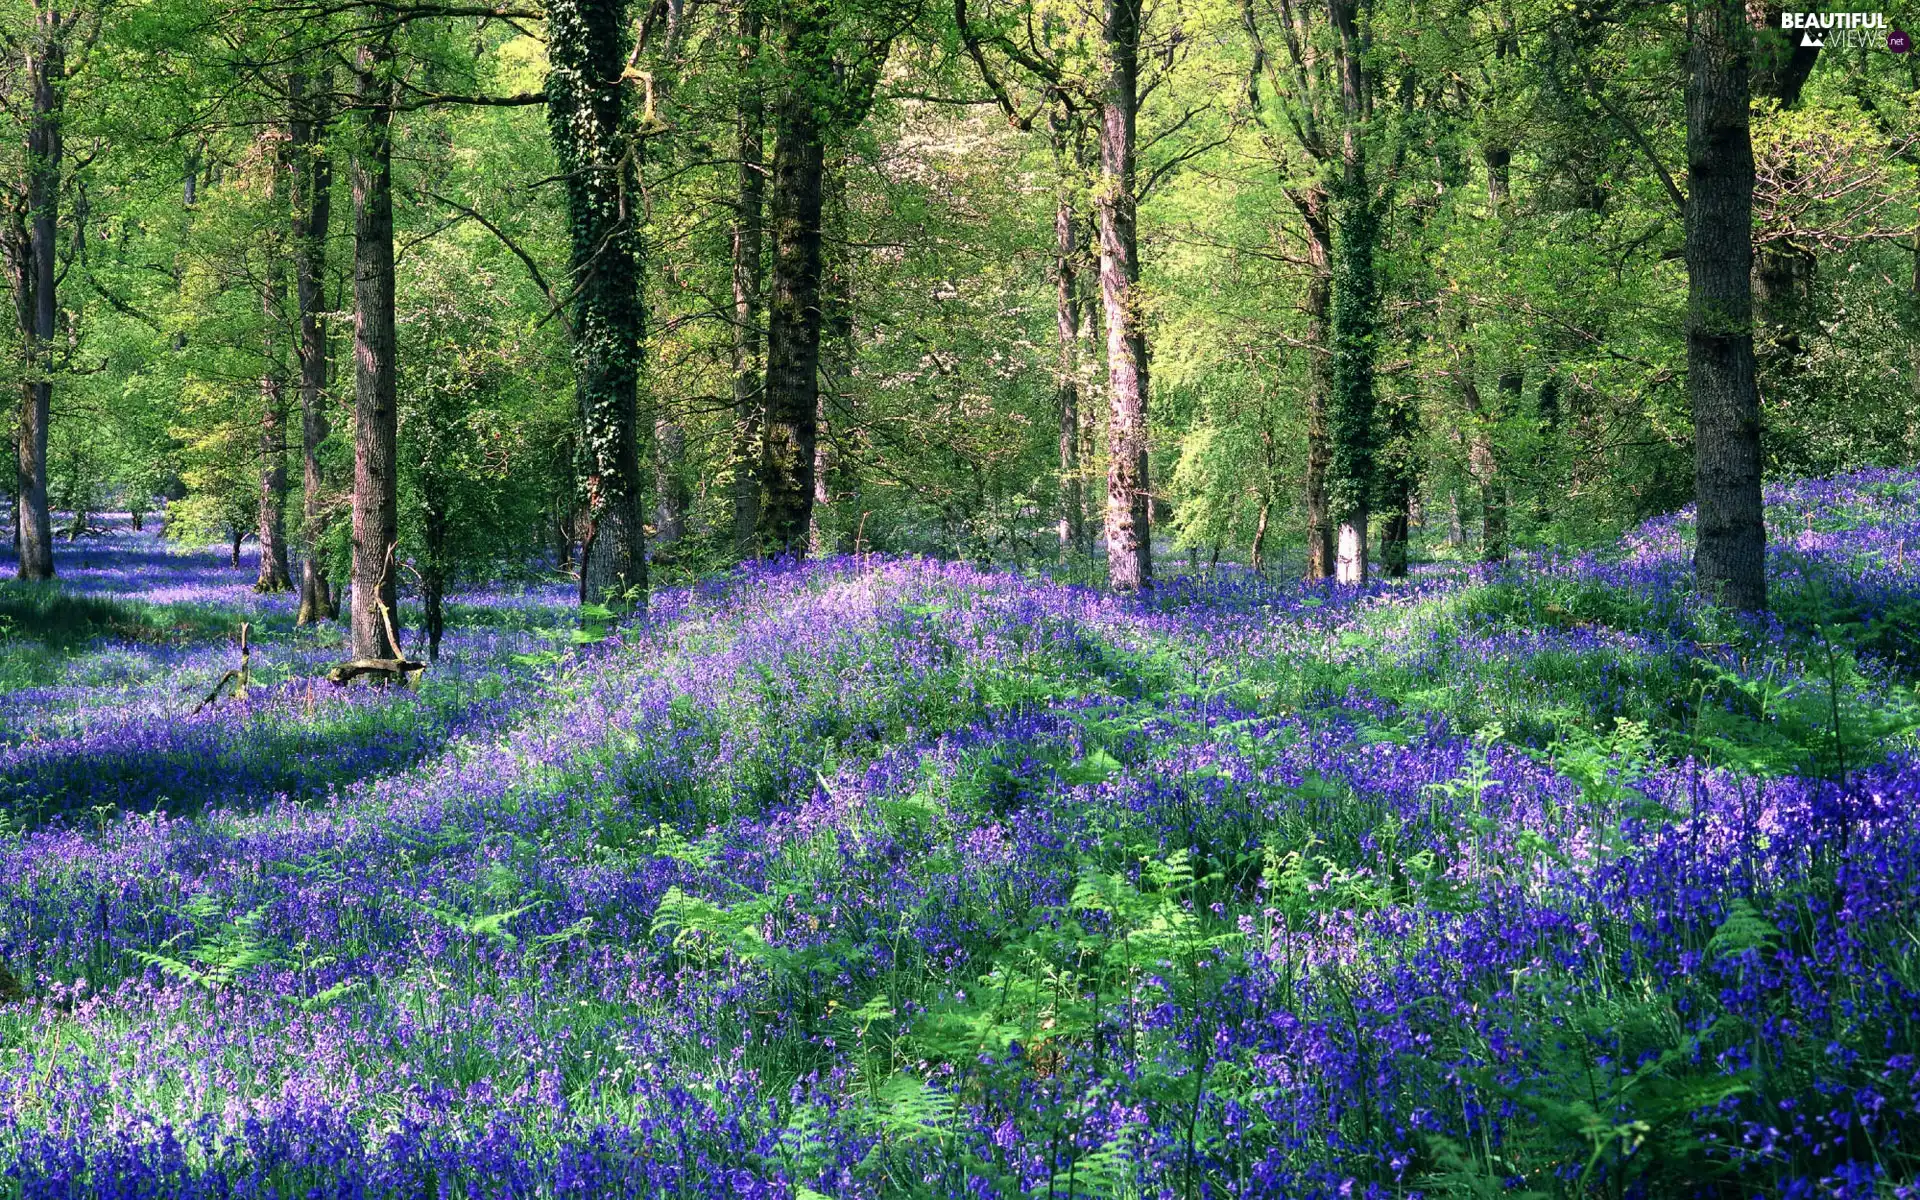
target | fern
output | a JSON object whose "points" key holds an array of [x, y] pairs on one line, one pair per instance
{"points": [[1743, 929], [1106, 1172], [331, 996], [560, 937], [215, 961], [909, 1107], [490, 925]]}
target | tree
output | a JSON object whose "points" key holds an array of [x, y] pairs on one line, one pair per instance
{"points": [[468, 437], [29, 240], [588, 44], [1730, 554], [310, 202], [822, 96], [1129, 500], [1070, 236], [1116, 92], [272, 532], [376, 504], [748, 274], [1353, 330], [1321, 90], [793, 311], [1356, 310]]}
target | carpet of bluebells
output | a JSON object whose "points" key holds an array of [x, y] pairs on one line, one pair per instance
{"points": [[887, 877]]}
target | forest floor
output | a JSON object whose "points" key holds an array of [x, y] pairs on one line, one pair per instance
{"points": [[900, 878]]}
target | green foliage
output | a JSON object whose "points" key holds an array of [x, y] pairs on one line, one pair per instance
{"points": [[1355, 346], [222, 948]]}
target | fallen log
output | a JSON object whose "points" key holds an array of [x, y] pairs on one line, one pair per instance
{"points": [[387, 668]]}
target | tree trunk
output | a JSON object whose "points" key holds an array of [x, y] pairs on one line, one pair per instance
{"points": [[1395, 533], [836, 360], [1783, 272], [1730, 554], [1399, 472], [35, 284], [1355, 316], [1913, 296], [1313, 205], [1258, 556], [1351, 404], [311, 199], [1483, 461], [1493, 487], [1352, 567], [239, 535], [272, 531], [1067, 242], [671, 497], [375, 412], [433, 579], [747, 394], [587, 115], [1128, 518], [793, 315], [1496, 499], [1093, 337], [822, 496], [1498, 160]]}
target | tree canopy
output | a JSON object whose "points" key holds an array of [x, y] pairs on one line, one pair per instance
{"points": [[410, 292]]}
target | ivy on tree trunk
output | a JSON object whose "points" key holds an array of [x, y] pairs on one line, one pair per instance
{"points": [[1354, 331], [588, 46]]}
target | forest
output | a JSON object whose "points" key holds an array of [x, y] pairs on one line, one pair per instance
{"points": [[849, 599]]}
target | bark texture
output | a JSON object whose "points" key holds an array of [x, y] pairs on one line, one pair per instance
{"points": [[272, 528], [311, 199], [830, 473], [672, 498], [1128, 515], [30, 251], [744, 464], [375, 411], [793, 312], [1730, 554], [1067, 242]]}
